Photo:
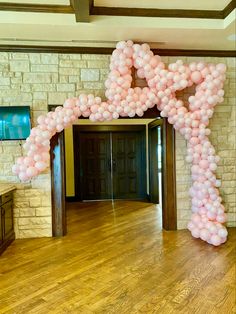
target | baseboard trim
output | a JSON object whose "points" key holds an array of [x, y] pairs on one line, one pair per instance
{"points": [[71, 199]]}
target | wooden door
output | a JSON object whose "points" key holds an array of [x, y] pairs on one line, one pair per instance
{"points": [[129, 165], [95, 166], [154, 145]]}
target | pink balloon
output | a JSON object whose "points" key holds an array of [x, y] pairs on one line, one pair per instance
{"points": [[15, 169], [215, 240], [205, 234], [31, 172], [195, 232], [28, 161], [23, 176], [40, 165]]}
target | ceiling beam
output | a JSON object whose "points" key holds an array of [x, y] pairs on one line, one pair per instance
{"points": [[229, 8], [108, 51], [141, 12], [171, 13], [82, 10], [30, 7]]}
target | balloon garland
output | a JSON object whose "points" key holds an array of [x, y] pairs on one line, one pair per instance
{"points": [[190, 120]]}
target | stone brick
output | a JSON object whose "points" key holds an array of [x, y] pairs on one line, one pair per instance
{"points": [[57, 98], [4, 56], [93, 85], [34, 58], [19, 66], [35, 202], [44, 68], [49, 58], [65, 87], [96, 64], [95, 57], [69, 71], [26, 212], [43, 211], [40, 95], [19, 56], [65, 79], [73, 64], [43, 87], [73, 79], [35, 233], [19, 203], [4, 81], [32, 193], [46, 201], [34, 222], [40, 104], [36, 78], [89, 75]]}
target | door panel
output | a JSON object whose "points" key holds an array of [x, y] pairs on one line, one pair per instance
{"points": [[129, 166], [95, 175]]}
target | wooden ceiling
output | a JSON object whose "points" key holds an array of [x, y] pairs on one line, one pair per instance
{"points": [[202, 24], [83, 9]]}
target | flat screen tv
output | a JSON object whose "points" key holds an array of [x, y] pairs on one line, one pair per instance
{"points": [[14, 122]]}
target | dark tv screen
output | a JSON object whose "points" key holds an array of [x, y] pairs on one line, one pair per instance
{"points": [[14, 123]]}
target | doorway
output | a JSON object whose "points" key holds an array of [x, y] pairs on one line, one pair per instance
{"points": [[110, 162], [169, 212]]}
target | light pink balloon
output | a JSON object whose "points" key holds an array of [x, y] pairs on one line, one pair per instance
{"points": [[15, 169], [215, 240], [40, 165], [31, 172], [23, 176]]}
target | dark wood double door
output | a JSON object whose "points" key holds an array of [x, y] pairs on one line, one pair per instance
{"points": [[110, 164]]}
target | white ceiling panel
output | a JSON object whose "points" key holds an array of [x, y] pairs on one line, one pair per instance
{"points": [[169, 33], [164, 4]]}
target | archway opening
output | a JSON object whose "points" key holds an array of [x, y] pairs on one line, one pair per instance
{"points": [[168, 194]]}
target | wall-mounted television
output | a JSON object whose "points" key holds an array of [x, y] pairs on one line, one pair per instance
{"points": [[14, 122]]}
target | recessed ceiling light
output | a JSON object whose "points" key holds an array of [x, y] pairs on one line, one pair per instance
{"points": [[232, 37]]}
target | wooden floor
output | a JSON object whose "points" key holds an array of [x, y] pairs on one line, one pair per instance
{"points": [[117, 260]]}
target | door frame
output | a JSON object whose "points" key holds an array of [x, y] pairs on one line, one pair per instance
{"points": [[151, 126], [169, 202], [77, 129], [168, 174]]}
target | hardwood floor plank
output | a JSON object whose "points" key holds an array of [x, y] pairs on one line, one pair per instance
{"points": [[116, 259]]}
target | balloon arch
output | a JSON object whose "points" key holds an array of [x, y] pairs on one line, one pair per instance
{"points": [[190, 120]]}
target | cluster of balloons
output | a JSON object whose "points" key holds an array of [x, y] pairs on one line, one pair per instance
{"points": [[190, 120]]}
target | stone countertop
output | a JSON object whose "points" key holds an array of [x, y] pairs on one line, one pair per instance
{"points": [[6, 187]]}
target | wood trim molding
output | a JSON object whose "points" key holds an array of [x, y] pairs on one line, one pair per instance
{"points": [[140, 12], [82, 10], [109, 128], [40, 8], [229, 8], [58, 189], [169, 199], [108, 51], [171, 13]]}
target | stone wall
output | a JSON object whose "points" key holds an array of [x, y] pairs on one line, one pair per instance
{"points": [[39, 80]]}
